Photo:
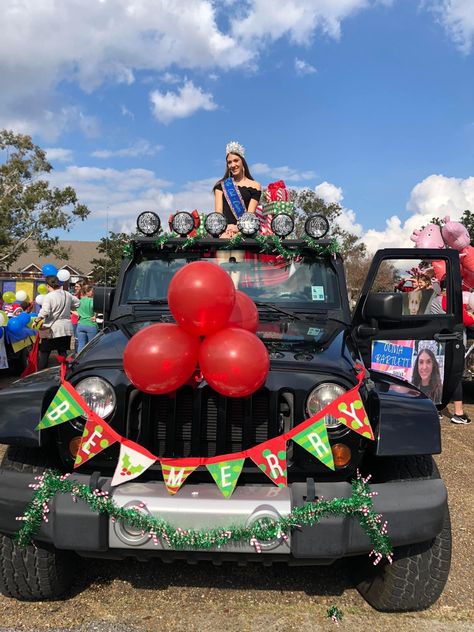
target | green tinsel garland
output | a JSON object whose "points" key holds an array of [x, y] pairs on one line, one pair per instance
{"points": [[359, 505], [128, 250], [335, 614], [235, 241]]}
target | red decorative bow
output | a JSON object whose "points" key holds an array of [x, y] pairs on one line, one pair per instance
{"points": [[196, 218], [278, 191]]}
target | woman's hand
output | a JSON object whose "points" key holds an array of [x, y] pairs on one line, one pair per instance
{"points": [[230, 231]]}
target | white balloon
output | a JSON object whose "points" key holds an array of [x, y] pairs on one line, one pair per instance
{"points": [[63, 275], [21, 296], [39, 299]]}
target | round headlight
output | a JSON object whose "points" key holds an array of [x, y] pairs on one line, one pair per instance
{"points": [[183, 223], [320, 397], [248, 224], [282, 224], [316, 226], [98, 395], [215, 224], [148, 223]]}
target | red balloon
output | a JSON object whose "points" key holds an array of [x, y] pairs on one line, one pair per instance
{"points": [[245, 313], [234, 362], [201, 297], [160, 358]]}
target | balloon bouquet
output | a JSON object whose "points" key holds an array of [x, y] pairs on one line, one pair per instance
{"points": [[451, 235], [215, 328]]}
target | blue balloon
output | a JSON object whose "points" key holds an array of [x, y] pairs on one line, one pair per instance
{"points": [[14, 325], [1, 333], [49, 270], [24, 318]]}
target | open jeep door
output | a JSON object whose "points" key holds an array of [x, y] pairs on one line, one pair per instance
{"points": [[408, 329]]}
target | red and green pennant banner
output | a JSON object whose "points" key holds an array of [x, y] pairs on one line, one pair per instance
{"points": [[315, 440], [270, 456], [175, 473], [133, 461], [66, 405], [97, 436], [226, 474]]}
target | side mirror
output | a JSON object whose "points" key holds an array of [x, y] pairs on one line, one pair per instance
{"points": [[103, 299], [383, 306]]}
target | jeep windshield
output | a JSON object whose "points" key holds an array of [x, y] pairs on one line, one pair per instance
{"points": [[307, 282]]}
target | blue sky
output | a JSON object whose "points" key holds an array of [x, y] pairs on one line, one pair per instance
{"points": [[369, 102]]}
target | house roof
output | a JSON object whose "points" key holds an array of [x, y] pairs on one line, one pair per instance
{"points": [[79, 262]]}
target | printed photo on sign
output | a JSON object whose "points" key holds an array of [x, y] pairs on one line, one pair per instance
{"points": [[418, 302], [420, 362]]}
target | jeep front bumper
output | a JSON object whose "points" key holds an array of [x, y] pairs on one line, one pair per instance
{"points": [[414, 511]]}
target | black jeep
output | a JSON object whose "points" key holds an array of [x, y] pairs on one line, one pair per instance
{"points": [[314, 346]]}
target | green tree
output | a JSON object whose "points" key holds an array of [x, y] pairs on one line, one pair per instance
{"points": [[29, 207], [353, 250], [467, 218], [106, 269]]}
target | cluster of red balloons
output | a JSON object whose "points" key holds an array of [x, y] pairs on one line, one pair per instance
{"points": [[215, 329]]}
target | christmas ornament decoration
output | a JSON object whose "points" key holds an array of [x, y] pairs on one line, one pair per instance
{"points": [[97, 436], [66, 405], [132, 462], [226, 474]]}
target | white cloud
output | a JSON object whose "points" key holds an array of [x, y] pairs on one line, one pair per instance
{"points": [[173, 105], [59, 154], [457, 17], [140, 148], [330, 193], [303, 68], [280, 173], [435, 196], [296, 19], [126, 112]]}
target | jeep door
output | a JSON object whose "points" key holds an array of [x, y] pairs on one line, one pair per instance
{"points": [[409, 324]]}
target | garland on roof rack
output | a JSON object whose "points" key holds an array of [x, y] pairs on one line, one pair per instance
{"points": [[359, 505], [271, 244]]}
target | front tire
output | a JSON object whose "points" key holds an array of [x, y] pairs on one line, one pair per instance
{"points": [[34, 572], [419, 572]]}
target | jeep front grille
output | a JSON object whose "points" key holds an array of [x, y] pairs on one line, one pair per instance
{"points": [[200, 422]]}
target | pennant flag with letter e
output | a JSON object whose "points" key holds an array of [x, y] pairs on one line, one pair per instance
{"points": [[351, 413], [133, 461], [97, 436], [175, 473], [64, 407], [226, 474], [315, 440], [270, 457]]}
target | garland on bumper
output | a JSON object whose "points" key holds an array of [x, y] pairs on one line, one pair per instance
{"points": [[358, 505]]}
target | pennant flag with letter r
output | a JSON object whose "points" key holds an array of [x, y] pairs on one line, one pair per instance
{"points": [[315, 440], [226, 474], [97, 436], [270, 457], [133, 461], [64, 407]]}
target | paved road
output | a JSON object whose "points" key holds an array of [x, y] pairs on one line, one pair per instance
{"points": [[132, 596]]}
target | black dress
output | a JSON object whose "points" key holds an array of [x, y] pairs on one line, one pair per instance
{"points": [[247, 193]]}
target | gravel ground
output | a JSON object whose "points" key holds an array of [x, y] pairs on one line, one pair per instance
{"points": [[137, 597]]}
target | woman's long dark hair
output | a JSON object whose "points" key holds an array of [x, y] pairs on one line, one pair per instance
{"points": [[435, 385], [226, 175]]}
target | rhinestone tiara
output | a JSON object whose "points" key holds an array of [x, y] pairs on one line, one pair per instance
{"points": [[234, 148], [432, 345]]}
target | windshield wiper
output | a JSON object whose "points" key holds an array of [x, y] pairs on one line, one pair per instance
{"points": [[279, 310]]}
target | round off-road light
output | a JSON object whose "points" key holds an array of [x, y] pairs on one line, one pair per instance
{"points": [[320, 397], [183, 223], [316, 226], [148, 223], [282, 224], [98, 395], [248, 224], [215, 224]]}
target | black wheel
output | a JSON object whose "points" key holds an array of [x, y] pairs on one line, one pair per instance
{"points": [[418, 574], [35, 572]]}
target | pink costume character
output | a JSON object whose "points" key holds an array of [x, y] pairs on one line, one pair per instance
{"points": [[456, 236], [430, 237]]}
